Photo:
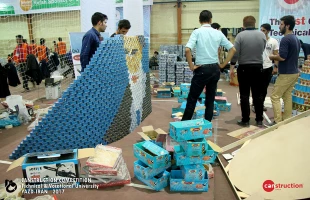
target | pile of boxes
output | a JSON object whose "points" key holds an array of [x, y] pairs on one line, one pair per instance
{"points": [[172, 59], [179, 72], [162, 65], [107, 167], [222, 103], [179, 50], [188, 75], [192, 153], [150, 168], [301, 92]]}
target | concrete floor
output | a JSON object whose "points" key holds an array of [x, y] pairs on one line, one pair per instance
{"points": [[160, 117]]}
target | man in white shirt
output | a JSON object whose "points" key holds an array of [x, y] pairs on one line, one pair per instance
{"points": [[272, 48]]}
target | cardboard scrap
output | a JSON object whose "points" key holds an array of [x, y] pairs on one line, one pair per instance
{"points": [[244, 132], [150, 134]]}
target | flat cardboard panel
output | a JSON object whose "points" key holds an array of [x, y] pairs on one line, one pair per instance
{"points": [[16, 163], [241, 131], [85, 153], [147, 128], [280, 155], [145, 137], [215, 147]]}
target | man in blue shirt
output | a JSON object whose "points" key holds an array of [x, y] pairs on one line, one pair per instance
{"points": [[287, 70], [206, 69], [92, 38]]}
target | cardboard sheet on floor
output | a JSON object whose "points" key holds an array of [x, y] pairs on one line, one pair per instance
{"points": [[280, 155], [244, 132]]}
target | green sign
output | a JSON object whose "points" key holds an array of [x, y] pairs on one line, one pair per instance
{"points": [[6, 10], [45, 4]]}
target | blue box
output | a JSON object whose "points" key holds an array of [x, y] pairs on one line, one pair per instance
{"points": [[176, 110], [157, 183], [185, 87], [181, 99], [163, 93], [151, 154], [184, 94], [190, 130], [45, 167], [182, 159], [177, 183], [224, 107], [144, 171], [193, 172], [197, 147]]}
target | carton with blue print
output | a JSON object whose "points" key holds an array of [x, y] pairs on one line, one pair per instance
{"points": [[190, 130]]}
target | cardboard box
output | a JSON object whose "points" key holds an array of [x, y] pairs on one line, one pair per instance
{"points": [[53, 92], [177, 183], [158, 182], [193, 172], [190, 130], [151, 154], [177, 110], [163, 93], [224, 107], [185, 87], [148, 133], [220, 100], [170, 143], [181, 99], [182, 159], [176, 91], [144, 171], [50, 165], [197, 147]]}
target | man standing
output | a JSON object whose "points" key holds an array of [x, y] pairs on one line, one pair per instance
{"points": [[92, 38], [250, 45], [62, 50], [206, 69], [272, 47], [32, 48], [20, 57], [288, 69], [123, 27]]}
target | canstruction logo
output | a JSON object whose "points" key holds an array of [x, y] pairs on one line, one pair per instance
{"points": [[270, 186]]}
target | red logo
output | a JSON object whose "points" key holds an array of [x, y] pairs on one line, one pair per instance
{"points": [[291, 1], [268, 185], [76, 57]]}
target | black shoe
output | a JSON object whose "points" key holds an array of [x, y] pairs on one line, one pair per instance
{"points": [[259, 123], [241, 123]]}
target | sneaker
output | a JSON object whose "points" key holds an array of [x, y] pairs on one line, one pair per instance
{"points": [[259, 123], [244, 124]]}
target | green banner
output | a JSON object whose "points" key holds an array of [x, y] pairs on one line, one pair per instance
{"points": [[45, 4], [6, 10]]}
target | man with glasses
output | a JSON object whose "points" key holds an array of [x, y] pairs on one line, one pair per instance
{"points": [[92, 38]]}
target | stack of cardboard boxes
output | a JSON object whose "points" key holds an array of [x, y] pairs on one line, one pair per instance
{"points": [[107, 167], [191, 154], [153, 160]]}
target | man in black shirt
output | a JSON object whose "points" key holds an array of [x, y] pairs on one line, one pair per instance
{"points": [[123, 27]]}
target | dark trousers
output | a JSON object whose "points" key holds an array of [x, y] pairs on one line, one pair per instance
{"points": [[267, 75], [205, 75], [23, 69], [250, 78]]}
